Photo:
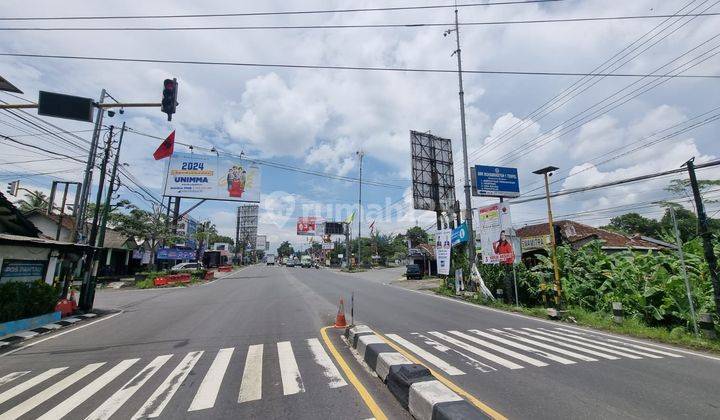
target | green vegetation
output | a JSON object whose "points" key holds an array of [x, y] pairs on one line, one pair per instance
{"points": [[19, 300]]}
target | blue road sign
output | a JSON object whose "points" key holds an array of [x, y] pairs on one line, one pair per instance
{"points": [[495, 181]]}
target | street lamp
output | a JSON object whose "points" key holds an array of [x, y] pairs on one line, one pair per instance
{"points": [[360, 154], [547, 172]]}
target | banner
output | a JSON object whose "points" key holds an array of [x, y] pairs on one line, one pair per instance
{"points": [[211, 177], [328, 245], [493, 225], [307, 226], [175, 254], [460, 234], [442, 251]]}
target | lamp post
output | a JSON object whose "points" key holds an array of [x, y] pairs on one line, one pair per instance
{"points": [[360, 155], [547, 172]]}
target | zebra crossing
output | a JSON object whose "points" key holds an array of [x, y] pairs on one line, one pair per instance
{"points": [[455, 352], [37, 392]]}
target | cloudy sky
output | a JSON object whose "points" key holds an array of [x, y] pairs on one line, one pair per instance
{"points": [[594, 129]]}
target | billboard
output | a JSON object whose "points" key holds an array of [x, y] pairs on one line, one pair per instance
{"points": [[442, 251], [307, 226], [433, 179], [260, 241], [494, 226], [175, 254], [495, 181], [212, 177]]}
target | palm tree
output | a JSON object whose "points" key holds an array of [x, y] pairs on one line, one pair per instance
{"points": [[203, 232], [34, 200]]}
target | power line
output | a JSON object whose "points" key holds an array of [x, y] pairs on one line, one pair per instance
{"points": [[40, 148], [35, 160], [414, 25], [277, 13], [357, 68]]}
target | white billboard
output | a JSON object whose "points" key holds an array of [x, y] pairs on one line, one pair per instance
{"points": [[212, 177], [442, 251], [494, 225]]}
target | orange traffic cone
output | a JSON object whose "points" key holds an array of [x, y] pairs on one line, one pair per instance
{"points": [[340, 318]]}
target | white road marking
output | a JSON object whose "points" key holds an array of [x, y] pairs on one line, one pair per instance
{"points": [[545, 346], [20, 388], [472, 349], [466, 358], [210, 386], [654, 350], [438, 362], [562, 343], [65, 407], [48, 393], [116, 400], [289, 372], [12, 376], [535, 351], [251, 386], [329, 369], [602, 343], [499, 349], [592, 346], [154, 406]]}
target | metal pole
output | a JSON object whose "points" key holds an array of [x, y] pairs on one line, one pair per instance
{"points": [[98, 198], [359, 210], [553, 243], [87, 179], [62, 210], [108, 197], [461, 93], [705, 235], [517, 298], [681, 254]]}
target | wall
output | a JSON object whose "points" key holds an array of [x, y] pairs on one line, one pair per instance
{"points": [[49, 228]]}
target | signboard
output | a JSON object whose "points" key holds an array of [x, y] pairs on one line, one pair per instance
{"points": [[260, 241], [532, 243], [328, 245], [493, 225], [175, 254], [22, 270], [495, 181], [442, 251], [69, 107], [212, 177], [334, 228], [433, 178], [460, 234], [307, 226]]}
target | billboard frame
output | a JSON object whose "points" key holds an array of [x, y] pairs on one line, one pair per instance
{"points": [[433, 177]]}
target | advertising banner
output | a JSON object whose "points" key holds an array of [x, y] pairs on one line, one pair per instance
{"points": [[460, 234], [175, 254], [494, 225], [442, 251], [307, 226], [495, 181], [212, 177], [328, 245]]}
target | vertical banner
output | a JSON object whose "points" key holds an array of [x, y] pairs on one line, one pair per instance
{"points": [[442, 251], [494, 226]]}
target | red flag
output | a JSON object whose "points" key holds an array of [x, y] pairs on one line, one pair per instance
{"points": [[166, 147]]}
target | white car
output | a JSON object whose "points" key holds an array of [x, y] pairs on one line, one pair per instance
{"points": [[187, 266]]}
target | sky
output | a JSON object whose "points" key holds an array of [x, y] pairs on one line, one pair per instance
{"points": [[595, 129]]}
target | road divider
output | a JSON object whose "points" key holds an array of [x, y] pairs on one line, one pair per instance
{"points": [[412, 384]]}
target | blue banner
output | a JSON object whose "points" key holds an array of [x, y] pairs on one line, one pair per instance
{"points": [[460, 234], [175, 254], [495, 181]]}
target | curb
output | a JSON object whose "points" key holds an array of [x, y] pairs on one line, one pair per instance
{"points": [[412, 384], [20, 336]]}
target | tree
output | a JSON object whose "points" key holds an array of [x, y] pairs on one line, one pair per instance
{"points": [[417, 236], [204, 231], [285, 250], [632, 223], [682, 188], [150, 226], [34, 200], [215, 238]]}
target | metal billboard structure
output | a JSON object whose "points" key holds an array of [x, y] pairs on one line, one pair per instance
{"points": [[246, 228], [432, 173]]}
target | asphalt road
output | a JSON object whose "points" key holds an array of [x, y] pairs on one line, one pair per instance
{"points": [[249, 346]]}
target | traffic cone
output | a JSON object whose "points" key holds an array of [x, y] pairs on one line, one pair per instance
{"points": [[340, 318]]}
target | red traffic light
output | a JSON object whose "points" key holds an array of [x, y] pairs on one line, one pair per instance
{"points": [[169, 84]]}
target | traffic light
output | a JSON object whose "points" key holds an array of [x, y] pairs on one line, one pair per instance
{"points": [[13, 187], [169, 101]]}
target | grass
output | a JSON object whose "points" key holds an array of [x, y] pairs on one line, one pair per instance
{"points": [[632, 327]]}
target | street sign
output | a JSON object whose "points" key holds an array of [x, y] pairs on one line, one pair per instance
{"points": [[460, 234], [495, 181], [69, 107]]}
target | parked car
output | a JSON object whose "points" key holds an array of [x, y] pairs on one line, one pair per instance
{"points": [[412, 271], [187, 266]]}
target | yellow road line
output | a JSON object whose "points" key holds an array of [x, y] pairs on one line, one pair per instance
{"points": [[474, 401], [364, 394]]}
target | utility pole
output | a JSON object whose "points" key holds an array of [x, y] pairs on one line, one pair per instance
{"points": [[461, 94], [681, 254], [705, 234], [108, 197], [98, 199], [360, 154], [553, 243], [89, 167]]}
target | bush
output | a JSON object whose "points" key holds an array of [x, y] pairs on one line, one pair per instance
{"points": [[19, 300]]}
